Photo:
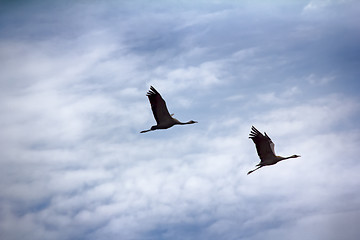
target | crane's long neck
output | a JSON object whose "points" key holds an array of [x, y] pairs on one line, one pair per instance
{"points": [[280, 158], [184, 123]]}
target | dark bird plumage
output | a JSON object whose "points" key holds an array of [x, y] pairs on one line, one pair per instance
{"points": [[161, 114], [265, 149]]}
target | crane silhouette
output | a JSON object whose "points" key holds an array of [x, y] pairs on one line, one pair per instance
{"points": [[265, 149], [161, 114]]}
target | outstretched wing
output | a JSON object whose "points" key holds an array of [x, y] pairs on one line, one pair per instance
{"points": [[264, 145], [272, 145], [158, 106]]}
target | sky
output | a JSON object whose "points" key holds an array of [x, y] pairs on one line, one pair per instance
{"points": [[73, 83]]}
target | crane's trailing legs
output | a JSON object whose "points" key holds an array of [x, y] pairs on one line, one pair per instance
{"points": [[254, 170], [144, 131]]}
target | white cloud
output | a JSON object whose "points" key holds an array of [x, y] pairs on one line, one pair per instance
{"points": [[316, 5], [165, 189], [203, 176], [194, 18], [316, 80], [205, 75]]}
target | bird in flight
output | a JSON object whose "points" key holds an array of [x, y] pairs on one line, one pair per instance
{"points": [[265, 149], [161, 114]]}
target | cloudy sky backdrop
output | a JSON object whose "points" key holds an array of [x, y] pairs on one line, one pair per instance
{"points": [[73, 80]]}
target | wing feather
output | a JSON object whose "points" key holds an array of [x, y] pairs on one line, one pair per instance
{"points": [[158, 106], [264, 145], [272, 145]]}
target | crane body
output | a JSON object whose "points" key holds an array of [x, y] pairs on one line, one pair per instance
{"points": [[161, 114], [265, 149]]}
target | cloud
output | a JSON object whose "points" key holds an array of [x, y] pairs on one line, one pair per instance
{"points": [[320, 80], [174, 191], [203, 76], [74, 166], [316, 5]]}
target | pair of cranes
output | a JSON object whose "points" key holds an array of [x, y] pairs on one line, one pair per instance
{"points": [[164, 120]]}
